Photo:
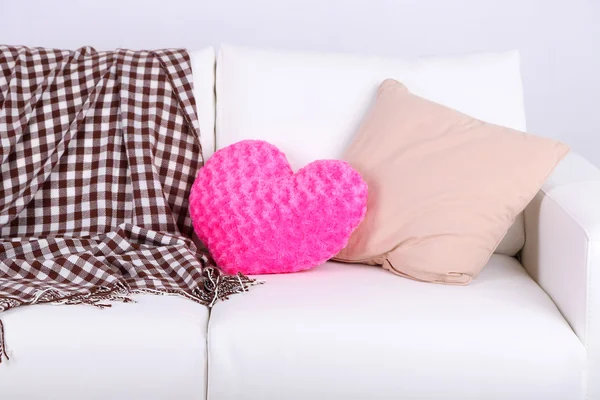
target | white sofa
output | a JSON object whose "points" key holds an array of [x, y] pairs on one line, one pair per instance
{"points": [[525, 328]]}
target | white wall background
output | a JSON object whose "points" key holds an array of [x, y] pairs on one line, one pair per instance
{"points": [[559, 40]]}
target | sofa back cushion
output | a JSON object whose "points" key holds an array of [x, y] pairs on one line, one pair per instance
{"points": [[203, 72], [310, 105]]}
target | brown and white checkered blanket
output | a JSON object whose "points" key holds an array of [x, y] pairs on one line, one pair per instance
{"points": [[98, 154]]}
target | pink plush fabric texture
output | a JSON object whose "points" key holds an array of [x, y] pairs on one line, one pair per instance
{"points": [[257, 217]]}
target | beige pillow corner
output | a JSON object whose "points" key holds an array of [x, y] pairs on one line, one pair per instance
{"points": [[444, 188]]}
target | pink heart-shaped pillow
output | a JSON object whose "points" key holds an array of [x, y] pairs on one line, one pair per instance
{"points": [[257, 217]]}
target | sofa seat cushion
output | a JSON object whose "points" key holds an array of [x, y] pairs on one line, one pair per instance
{"points": [[153, 349], [357, 332]]}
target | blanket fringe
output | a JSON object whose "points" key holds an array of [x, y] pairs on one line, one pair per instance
{"points": [[216, 286], [219, 287]]}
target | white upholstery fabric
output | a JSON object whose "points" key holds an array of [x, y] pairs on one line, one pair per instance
{"points": [[310, 105], [358, 332], [155, 349], [203, 71], [562, 252]]}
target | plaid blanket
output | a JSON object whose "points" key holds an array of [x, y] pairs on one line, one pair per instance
{"points": [[98, 154]]}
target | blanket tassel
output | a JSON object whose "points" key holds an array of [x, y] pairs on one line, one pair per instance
{"points": [[3, 351]]}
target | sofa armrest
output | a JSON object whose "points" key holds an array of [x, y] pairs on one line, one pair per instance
{"points": [[562, 251]]}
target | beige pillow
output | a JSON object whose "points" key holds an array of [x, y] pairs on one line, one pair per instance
{"points": [[443, 187]]}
